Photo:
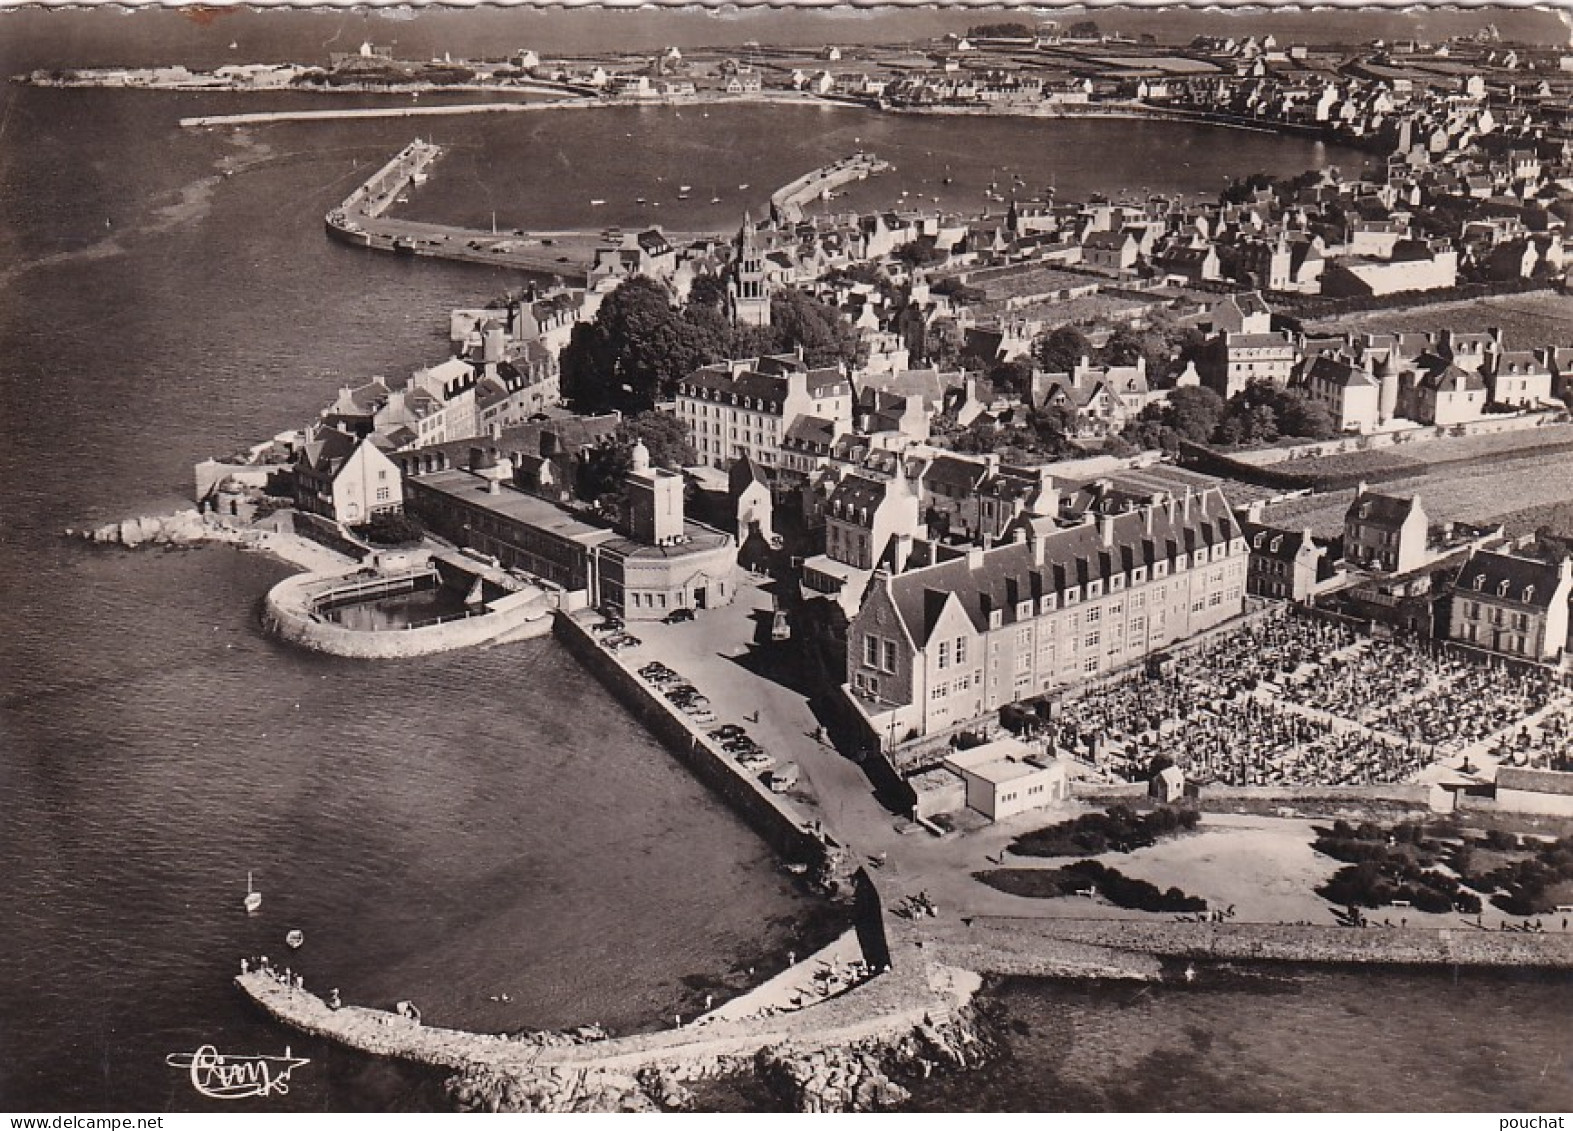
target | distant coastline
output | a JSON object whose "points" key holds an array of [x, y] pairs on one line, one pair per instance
{"points": [[575, 98]]}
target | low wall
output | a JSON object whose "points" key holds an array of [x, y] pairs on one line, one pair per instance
{"points": [[1451, 946], [774, 818], [287, 613], [914, 995], [1399, 438]]}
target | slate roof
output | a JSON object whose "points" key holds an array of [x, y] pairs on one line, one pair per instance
{"points": [[1009, 573], [1340, 372], [1381, 510], [1506, 577]]}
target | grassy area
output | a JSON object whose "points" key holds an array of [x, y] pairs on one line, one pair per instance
{"points": [[1542, 318], [1419, 458], [1089, 875], [1388, 866], [1476, 491], [1558, 517], [1438, 867], [1121, 829]]}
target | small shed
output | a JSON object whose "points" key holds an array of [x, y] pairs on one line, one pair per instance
{"points": [[1167, 785]]}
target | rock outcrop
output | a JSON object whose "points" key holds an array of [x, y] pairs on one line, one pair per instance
{"points": [[183, 528], [867, 1077]]}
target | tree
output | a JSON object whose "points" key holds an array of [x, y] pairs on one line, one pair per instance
{"points": [[1194, 412], [707, 290], [1299, 415], [635, 351], [1059, 350], [999, 31], [664, 436], [821, 331], [921, 252], [1084, 29], [1013, 376], [943, 343], [1124, 347], [392, 528]]}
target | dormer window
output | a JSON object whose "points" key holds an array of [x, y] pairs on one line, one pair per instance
{"points": [[1529, 593], [1502, 588], [1480, 582], [1260, 538]]}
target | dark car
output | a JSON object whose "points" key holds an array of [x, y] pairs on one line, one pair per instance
{"points": [[678, 616], [730, 730]]}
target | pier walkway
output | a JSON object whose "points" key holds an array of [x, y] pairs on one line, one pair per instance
{"points": [[916, 993], [362, 221]]}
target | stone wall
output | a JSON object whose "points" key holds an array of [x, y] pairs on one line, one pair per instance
{"points": [[1461, 946], [773, 817], [287, 613]]}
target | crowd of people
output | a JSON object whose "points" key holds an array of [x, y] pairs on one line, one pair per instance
{"points": [[1299, 700]]}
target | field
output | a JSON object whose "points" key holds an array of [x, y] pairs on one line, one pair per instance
{"points": [[1544, 318], [1464, 492], [1421, 457]]}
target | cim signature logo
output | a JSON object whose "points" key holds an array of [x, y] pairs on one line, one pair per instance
{"points": [[223, 1077]]}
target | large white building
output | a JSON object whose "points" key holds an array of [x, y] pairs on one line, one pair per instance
{"points": [[744, 408], [944, 644]]}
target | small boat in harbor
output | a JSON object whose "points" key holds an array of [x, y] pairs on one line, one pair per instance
{"points": [[596, 203], [295, 938], [253, 898]]}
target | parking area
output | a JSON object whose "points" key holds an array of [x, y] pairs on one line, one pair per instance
{"points": [[730, 659]]}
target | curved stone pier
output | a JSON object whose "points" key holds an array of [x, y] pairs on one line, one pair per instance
{"points": [[917, 998], [290, 613]]}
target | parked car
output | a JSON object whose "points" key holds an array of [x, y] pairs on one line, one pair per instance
{"points": [[678, 616], [730, 730]]}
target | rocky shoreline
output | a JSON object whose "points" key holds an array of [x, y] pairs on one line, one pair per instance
{"points": [[189, 528], [864, 1076]]}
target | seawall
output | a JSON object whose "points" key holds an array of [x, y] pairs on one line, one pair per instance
{"points": [[774, 818], [919, 1004], [289, 613], [1270, 942]]}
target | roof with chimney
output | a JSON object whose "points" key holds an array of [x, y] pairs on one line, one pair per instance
{"points": [[1507, 577], [999, 579], [1339, 372], [1377, 510]]}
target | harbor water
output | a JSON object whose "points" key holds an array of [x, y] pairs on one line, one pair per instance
{"points": [[486, 834]]}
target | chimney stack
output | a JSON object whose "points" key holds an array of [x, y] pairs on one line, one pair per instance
{"points": [[974, 557], [1106, 529]]}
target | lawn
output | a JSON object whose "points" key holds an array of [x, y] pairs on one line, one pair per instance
{"points": [[1459, 492], [1544, 318]]}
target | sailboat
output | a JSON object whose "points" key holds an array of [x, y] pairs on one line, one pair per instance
{"points": [[253, 896]]}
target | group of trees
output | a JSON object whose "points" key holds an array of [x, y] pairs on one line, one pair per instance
{"points": [[1258, 414], [640, 345], [1164, 344], [662, 434]]}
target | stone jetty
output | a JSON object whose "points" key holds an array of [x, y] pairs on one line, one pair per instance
{"points": [[842, 1053]]}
